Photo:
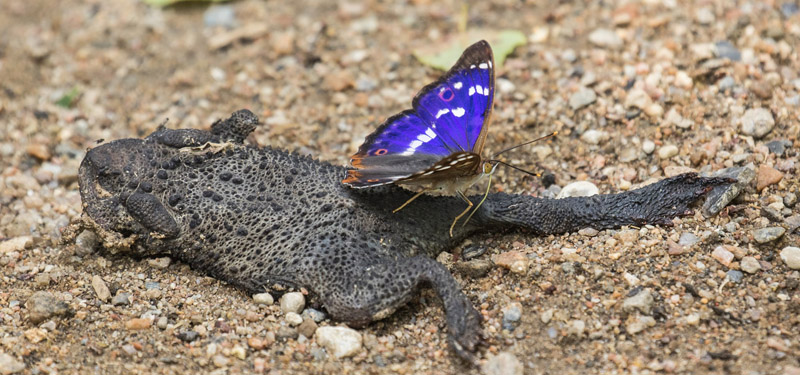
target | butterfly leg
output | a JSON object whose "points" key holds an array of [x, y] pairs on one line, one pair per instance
{"points": [[488, 186], [469, 207], [409, 201]]}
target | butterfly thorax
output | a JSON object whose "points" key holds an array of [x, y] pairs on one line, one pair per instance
{"points": [[457, 172]]}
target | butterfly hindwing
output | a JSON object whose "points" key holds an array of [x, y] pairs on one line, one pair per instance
{"points": [[449, 115]]}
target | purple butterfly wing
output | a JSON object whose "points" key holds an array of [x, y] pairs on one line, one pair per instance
{"points": [[449, 115]]}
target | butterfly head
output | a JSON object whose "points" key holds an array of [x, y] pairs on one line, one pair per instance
{"points": [[489, 166]]}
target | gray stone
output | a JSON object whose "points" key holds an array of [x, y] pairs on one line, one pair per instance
{"points": [[341, 342], [594, 137], [769, 234], [642, 301], [121, 299], [294, 319], [757, 122], [263, 299], [188, 336], [293, 302], [639, 324], [771, 214], [43, 305], [152, 285], [475, 268], [790, 199], [220, 15], [726, 50], [511, 315], [605, 38], [315, 315], [86, 242], [726, 83], [10, 365], [734, 276], [688, 239], [720, 196], [578, 189], [779, 146], [791, 256], [504, 363], [581, 98], [750, 265]]}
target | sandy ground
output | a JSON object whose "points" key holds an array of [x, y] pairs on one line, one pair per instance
{"points": [[638, 91]]}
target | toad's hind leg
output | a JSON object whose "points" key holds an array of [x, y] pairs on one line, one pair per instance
{"points": [[362, 294]]}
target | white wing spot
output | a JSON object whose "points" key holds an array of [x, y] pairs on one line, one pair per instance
{"points": [[442, 112], [415, 143], [458, 112], [409, 151], [479, 89], [472, 66], [424, 138], [454, 162], [458, 85], [484, 66], [472, 91], [430, 133], [427, 173]]}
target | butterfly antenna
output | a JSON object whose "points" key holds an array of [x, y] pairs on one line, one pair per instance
{"points": [[517, 168], [553, 134]]}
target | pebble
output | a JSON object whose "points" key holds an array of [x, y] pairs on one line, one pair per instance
{"points": [[475, 268], [341, 342], [720, 196], [315, 315], [683, 80], [588, 232], [576, 327], [293, 302], [307, 328], [578, 189], [768, 234], [100, 288], [704, 16], [294, 319], [642, 301], [790, 199], [220, 360], [152, 285], [726, 83], [160, 263], [791, 256], [43, 305], [162, 322], [239, 352], [121, 299], [547, 316], [779, 146], [511, 315], [750, 265], [722, 255], [757, 122], [86, 242], [693, 319], [263, 299], [724, 49], [639, 324], [15, 244], [138, 324], [514, 261], [594, 137], [688, 239], [338, 81], [648, 147], [667, 151], [582, 98], [767, 176], [605, 38], [286, 333], [505, 86], [504, 363], [220, 15], [188, 336], [10, 365], [734, 276]]}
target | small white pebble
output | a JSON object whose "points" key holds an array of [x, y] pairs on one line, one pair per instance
{"points": [[648, 147], [667, 151]]}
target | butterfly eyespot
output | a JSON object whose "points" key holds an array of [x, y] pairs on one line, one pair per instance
{"points": [[380, 151], [446, 94]]}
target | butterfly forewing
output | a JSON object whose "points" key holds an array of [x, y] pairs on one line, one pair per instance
{"points": [[449, 116]]}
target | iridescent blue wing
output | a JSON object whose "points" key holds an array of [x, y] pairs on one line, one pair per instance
{"points": [[449, 116]]}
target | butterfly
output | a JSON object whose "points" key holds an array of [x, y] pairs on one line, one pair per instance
{"points": [[436, 145]]}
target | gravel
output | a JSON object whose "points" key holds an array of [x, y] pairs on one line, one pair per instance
{"points": [[661, 75], [765, 235], [263, 299], [642, 301], [578, 189], [504, 363]]}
